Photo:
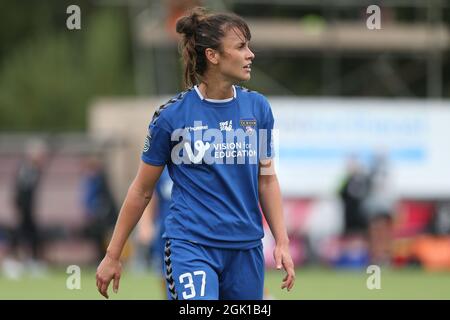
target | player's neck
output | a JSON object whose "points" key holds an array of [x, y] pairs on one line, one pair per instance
{"points": [[216, 89]]}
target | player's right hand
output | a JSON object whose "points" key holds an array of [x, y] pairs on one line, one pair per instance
{"points": [[109, 269]]}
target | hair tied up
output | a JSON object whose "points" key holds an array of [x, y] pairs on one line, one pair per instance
{"points": [[187, 25]]}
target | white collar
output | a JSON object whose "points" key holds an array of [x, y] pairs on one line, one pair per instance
{"points": [[215, 100]]}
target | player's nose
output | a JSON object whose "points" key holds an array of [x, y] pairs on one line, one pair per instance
{"points": [[250, 54]]}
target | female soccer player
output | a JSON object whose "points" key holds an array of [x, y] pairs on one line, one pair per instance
{"points": [[215, 139]]}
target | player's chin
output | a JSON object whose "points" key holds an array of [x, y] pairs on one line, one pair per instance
{"points": [[240, 77], [245, 76]]}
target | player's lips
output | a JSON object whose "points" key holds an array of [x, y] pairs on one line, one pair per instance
{"points": [[248, 67]]}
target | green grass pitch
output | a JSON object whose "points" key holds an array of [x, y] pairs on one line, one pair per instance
{"points": [[311, 283]]}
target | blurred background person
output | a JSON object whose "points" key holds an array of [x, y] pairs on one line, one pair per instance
{"points": [[26, 244], [352, 192], [99, 206], [379, 205]]}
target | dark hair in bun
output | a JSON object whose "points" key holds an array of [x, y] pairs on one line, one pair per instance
{"points": [[188, 24]]}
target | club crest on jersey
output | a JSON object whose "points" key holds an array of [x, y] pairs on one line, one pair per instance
{"points": [[248, 125]]}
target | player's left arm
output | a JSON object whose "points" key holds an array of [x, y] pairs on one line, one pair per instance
{"points": [[271, 205]]}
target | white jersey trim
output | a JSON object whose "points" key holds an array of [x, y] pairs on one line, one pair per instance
{"points": [[215, 100]]}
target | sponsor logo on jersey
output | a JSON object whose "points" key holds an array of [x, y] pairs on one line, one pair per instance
{"points": [[226, 125], [148, 139], [196, 128], [201, 148]]}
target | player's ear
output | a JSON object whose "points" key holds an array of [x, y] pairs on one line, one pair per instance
{"points": [[212, 55]]}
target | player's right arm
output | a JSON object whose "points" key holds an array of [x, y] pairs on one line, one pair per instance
{"points": [[138, 196]]}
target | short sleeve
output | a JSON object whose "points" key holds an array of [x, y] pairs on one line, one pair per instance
{"points": [[157, 144], [266, 150]]}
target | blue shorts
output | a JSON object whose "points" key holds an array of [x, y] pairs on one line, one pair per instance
{"points": [[198, 272]]}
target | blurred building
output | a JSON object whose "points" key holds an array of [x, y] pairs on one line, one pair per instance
{"points": [[328, 44]]}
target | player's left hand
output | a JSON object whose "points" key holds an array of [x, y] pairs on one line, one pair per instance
{"points": [[283, 260]]}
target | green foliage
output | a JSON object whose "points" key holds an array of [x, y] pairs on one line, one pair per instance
{"points": [[47, 82], [39, 86], [105, 54]]}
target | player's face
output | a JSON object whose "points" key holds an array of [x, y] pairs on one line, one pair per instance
{"points": [[236, 57]]}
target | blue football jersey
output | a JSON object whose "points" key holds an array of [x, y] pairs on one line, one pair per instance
{"points": [[212, 150]]}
